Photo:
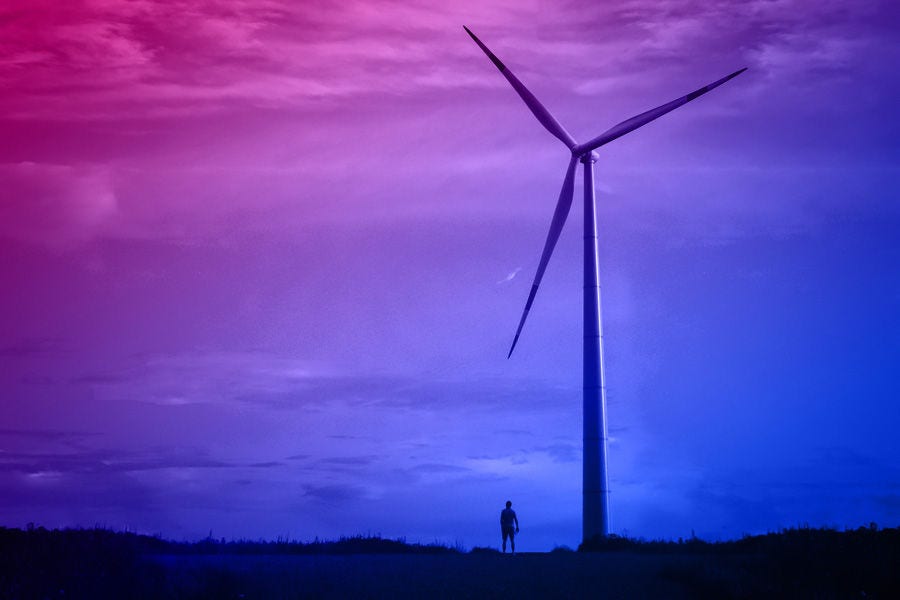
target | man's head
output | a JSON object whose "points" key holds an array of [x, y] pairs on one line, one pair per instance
{"points": [[508, 504]]}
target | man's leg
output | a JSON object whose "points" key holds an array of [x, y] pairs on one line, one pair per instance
{"points": [[505, 535], [512, 541]]}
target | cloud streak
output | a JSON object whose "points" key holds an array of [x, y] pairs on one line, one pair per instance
{"points": [[512, 274], [56, 205]]}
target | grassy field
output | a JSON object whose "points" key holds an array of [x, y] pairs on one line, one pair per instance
{"points": [[616, 575], [97, 563]]}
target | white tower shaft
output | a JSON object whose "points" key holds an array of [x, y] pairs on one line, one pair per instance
{"points": [[595, 480]]}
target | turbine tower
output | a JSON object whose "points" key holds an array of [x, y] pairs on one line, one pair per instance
{"points": [[595, 482]]}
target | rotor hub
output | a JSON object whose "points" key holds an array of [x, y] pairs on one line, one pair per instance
{"points": [[589, 157]]}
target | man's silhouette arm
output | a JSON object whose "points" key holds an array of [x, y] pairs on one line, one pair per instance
{"points": [[516, 517]]}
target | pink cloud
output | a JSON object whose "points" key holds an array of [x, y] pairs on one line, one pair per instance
{"points": [[56, 205]]}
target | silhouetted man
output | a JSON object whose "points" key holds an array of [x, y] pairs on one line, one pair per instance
{"points": [[509, 526]]}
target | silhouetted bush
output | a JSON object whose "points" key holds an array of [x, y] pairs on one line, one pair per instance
{"points": [[79, 563], [794, 561], [99, 563]]}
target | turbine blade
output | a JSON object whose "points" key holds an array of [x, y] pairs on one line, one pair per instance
{"points": [[543, 115], [633, 123], [559, 219]]}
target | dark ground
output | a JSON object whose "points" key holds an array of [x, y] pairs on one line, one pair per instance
{"points": [[570, 575], [798, 563]]}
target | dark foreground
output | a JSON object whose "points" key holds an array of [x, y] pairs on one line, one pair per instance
{"points": [[802, 563]]}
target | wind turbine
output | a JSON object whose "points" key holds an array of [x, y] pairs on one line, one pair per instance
{"points": [[595, 482]]}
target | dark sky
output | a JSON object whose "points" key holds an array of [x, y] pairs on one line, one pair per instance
{"points": [[262, 262]]}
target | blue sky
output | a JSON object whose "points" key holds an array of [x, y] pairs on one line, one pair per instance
{"points": [[263, 267]]}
